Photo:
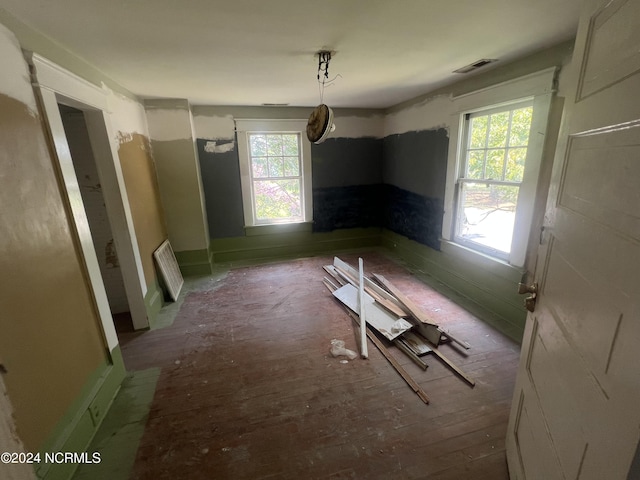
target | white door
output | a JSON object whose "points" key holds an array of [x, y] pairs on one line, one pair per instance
{"points": [[576, 408]]}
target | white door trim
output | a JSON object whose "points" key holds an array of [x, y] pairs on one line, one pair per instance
{"points": [[57, 85]]}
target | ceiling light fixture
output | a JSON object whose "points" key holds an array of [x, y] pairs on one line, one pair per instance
{"points": [[320, 123]]}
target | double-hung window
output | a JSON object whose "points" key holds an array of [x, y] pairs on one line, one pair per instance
{"points": [[496, 147], [275, 160], [494, 154]]}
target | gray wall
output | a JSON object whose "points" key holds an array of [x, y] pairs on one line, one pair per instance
{"points": [[414, 175], [347, 183]]}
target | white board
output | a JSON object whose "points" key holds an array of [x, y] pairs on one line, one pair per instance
{"points": [[377, 316]]}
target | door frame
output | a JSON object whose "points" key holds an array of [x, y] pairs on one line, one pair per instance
{"points": [[54, 85]]}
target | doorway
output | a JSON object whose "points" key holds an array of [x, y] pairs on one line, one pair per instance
{"points": [[91, 191], [55, 86]]}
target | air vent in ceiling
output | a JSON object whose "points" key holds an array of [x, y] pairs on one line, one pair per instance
{"points": [[475, 65]]}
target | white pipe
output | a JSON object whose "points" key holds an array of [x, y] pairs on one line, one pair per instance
{"points": [[363, 322]]}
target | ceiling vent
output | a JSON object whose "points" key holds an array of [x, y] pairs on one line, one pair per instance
{"points": [[475, 65]]}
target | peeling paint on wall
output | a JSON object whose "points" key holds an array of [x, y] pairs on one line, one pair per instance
{"points": [[124, 137], [169, 124], [430, 114], [127, 115], [214, 147], [358, 127], [18, 84], [214, 127]]}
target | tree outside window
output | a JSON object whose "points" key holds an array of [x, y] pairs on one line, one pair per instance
{"points": [[276, 176], [496, 146]]}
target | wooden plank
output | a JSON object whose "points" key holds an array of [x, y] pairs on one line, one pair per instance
{"points": [[462, 343], [416, 343], [400, 343], [453, 367], [403, 373], [329, 284], [352, 272], [377, 317], [331, 270], [430, 332], [404, 300], [389, 305], [363, 312]]}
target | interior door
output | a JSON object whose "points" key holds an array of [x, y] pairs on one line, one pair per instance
{"points": [[576, 408]]}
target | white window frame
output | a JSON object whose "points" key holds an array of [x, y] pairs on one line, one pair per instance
{"points": [[246, 127], [538, 88], [462, 179]]}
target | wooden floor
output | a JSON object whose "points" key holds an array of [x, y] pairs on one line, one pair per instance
{"points": [[248, 389]]}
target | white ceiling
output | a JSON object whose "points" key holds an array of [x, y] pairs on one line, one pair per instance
{"points": [[250, 52]]}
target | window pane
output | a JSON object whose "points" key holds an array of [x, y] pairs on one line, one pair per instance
{"points": [[290, 145], [475, 164], [276, 167], [487, 214], [495, 163], [259, 167], [291, 166], [520, 127], [515, 164], [498, 129], [277, 199], [258, 144], [478, 132], [274, 145]]}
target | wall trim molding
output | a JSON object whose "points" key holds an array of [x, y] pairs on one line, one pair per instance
{"points": [[488, 292], [194, 262], [291, 244], [77, 427], [55, 85], [153, 301]]}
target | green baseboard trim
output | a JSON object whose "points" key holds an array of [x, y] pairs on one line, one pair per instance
{"points": [[153, 301], [75, 430], [291, 244], [486, 288], [194, 262], [118, 438]]}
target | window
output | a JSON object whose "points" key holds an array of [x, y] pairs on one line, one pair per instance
{"points": [[494, 153], [495, 183], [275, 170], [276, 176]]}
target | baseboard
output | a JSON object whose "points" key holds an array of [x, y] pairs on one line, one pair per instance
{"points": [[291, 244], [489, 293], [74, 431], [194, 262], [153, 301]]}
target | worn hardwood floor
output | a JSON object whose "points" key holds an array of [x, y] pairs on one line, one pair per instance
{"points": [[248, 389]]}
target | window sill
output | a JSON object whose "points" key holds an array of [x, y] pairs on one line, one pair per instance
{"points": [[277, 228], [494, 265]]}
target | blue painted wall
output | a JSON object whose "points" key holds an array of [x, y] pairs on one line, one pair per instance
{"points": [[347, 183], [414, 175], [222, 191], [397, 183]]}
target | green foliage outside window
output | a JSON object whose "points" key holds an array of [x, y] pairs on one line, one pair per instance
{"points": [[275, 168], [498, 149]]}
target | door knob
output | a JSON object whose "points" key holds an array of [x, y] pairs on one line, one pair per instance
{"points": [[524, 288], [530, 301]]}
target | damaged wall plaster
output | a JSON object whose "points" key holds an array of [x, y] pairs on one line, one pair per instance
{"points": [[17, 85]]}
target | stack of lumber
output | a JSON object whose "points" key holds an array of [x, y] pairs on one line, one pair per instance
{"points": [[384, 309]]}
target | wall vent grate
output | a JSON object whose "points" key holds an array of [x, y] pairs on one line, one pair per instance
{"points": [[168, 266], [475, 65]]}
